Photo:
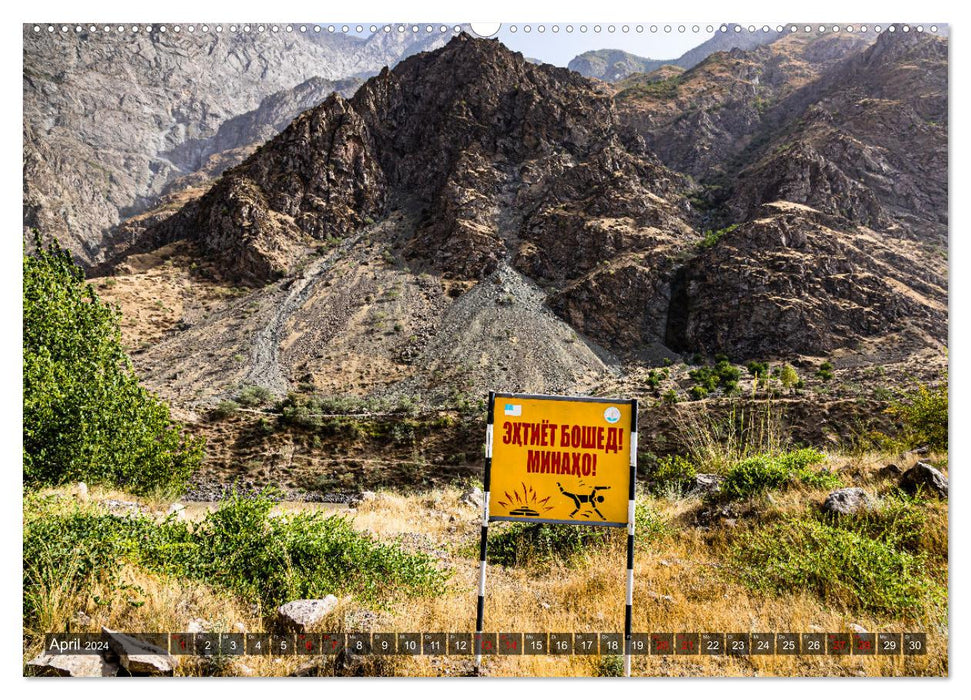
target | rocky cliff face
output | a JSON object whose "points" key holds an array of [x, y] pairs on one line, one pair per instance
{"points": [[796, 281], [499, 158], [701, 120], [111, 119], [867, 141]]}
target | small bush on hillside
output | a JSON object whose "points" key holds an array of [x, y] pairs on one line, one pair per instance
{"points": [[767, 472], [672, 472], [225, 409], [924, 415], [253, 396], [825, 371]]}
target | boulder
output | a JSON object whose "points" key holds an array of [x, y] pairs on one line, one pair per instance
{"points": [[72, 665], [473, 497], [301, 615], [82, 491], [891, 470], [923, 478], [847, 501], [138, 657], [705, 484]]}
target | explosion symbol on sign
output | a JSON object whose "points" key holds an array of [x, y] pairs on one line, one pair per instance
{"points": [[525, 503]]}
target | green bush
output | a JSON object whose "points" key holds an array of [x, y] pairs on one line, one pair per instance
{"points": [[86, 418], [253, 396], [237, 548], [523, 544], [767, 472], [760, 370], [670, 472], [225, 409], [841, 567], [825, 371], [900, 521], [924, 415], [649, 526]]}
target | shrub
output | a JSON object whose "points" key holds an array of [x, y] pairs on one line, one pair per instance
{"points": [[671, 472], [253, 396], [225, 409], [238, 548], [924, 415], [825, 371], [772, 471], [648, 524], [698, 392], [760, 370], [86, 417], [711, 238], [788, 376], [841, 567]]}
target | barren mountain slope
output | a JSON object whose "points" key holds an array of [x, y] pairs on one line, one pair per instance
{"points": [[111, 118], [469, 220]]}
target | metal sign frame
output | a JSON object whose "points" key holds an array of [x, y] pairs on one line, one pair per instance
{"points": [[486, 518]]}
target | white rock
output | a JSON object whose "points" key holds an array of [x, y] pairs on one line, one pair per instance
{"points": [[82, 491], [139, 657], [72, 665], [300, 615]]}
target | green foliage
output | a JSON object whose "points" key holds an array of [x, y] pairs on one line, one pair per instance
{"points": [[840, 566], [611, 666], [767, 472], [523, 544], [225, 409], [759, 370], [707, 379], [85, 415], [670, 397], [253, 396], [640, 88], [698, 392], [711, 238], [649, 526], [671, 472], [825, 371], [788, 376], [900, 522], [238, 548], [924, 415]]}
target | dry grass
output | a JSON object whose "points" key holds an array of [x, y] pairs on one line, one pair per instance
{"points": [[689, 565]]}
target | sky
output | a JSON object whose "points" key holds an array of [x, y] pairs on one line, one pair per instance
{"points": [[560, 47]]}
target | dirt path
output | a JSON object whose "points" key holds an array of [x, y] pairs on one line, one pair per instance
{"points": [[265, 370]]}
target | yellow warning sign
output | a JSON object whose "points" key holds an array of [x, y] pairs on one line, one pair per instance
{"points": [[560, 459]]}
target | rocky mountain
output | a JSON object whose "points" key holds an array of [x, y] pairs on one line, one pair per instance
{"points": [[499, 158], [867, 141], [111, 119], [699, 120], [613, 65], [468, 220]]}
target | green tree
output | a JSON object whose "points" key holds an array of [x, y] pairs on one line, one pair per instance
{"points": [[86, 417]]}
